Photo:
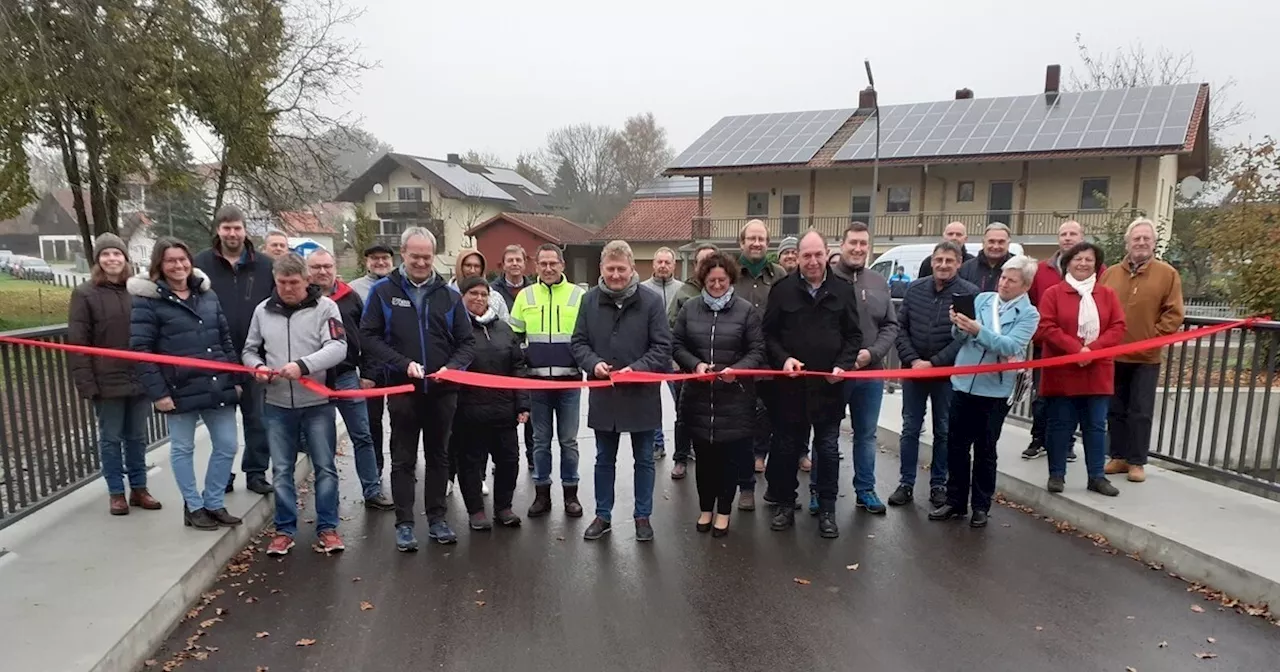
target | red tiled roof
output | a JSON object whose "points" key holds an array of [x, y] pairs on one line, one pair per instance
{"points": [[554, 228], [300, 222], [653, 219]]}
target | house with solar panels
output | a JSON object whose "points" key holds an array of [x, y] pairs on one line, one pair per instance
{"points": [[660, 214], [448, 197], [1029, 161]]}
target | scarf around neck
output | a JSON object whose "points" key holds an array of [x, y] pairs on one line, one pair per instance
{"points": [[1090, 325], [490, 315], [625, 293], [717, 305], [755, 268]]}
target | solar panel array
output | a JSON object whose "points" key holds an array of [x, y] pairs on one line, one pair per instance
{"points": [[1139, 117], [465, 181], [673, 186], [757, 139], [511, 177]]}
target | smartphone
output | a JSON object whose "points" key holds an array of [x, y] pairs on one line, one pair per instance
{"points": [[963, 304]]}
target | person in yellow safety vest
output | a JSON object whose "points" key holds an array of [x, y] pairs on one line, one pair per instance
{"points": [[544, 314]]}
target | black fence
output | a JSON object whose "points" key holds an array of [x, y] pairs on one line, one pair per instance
{"points": [[48, 433]]}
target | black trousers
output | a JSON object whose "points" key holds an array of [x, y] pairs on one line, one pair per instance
{"points": [[473, 443], [528, 441], [427, 418], [1132, 407], [975, 423], [719, 464], [375, 406], [781, 470], [684, 444]]}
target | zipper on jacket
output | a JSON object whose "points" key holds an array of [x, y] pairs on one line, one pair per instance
{"points": [[715, 317], [288, 348]]}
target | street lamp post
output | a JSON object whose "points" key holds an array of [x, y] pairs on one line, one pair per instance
{"points": [[875, 164]]}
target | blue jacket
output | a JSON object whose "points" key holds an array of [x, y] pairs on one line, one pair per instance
{"points": [[1018, 324], [395, 329], [164, 324], [924, 322]]}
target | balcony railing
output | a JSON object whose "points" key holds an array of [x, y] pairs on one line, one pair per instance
{"points": [[403, 209], [910, 224]]}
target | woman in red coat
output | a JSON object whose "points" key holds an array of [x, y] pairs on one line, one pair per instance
{"points": [[1079, 314]]}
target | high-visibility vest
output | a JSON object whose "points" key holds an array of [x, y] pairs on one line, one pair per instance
{"points": [[546, 315]]}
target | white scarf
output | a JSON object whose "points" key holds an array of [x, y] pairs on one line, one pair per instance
{"points": [[1090, 324]]}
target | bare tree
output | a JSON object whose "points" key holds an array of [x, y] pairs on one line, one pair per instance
{"points": [[490, 159], [528, 168], [583, 160], [640, 152]]}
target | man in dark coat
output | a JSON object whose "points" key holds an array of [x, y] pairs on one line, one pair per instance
{"points": [[622, 328], [241, 279], [810, 324], [925, 341], [956, 233], [985, 269]]}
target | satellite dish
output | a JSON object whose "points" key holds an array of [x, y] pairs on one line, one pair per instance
{"points": [[377, 189], [1190, 186]]}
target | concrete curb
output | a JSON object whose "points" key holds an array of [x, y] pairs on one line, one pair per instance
{"points": [[142, 640], [1188, 562]]}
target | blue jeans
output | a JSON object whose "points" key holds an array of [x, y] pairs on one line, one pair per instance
{"points": [[1063, 414], [916, 394], [355, 415], [221, 423], [122, 441], [285, 426], [865, 397], [606, 469], [558, 408]]}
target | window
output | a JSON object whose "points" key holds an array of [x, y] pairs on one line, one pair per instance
{"points": [[1093, 193], [861, 208], [408, 193], [899, 199], [884, 268], [758, 204], [964, 192], [391, 227]]}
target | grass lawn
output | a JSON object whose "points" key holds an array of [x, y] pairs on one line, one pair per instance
{"points": [[26, 304]]}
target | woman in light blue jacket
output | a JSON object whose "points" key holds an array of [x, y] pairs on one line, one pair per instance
{"points": [[1004, 322]]}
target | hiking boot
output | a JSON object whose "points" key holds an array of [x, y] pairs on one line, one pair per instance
{"points": [[1056, 484], [870, 501], [827, 528], [259, 485], [405, 541], [280, 545], [479, 522], [572, 507], [598, 528], [946, 512], [938, 495], [507, 518], [1036, 449], [442, 533], [813, 503], [380, 502], [784, 516], [1115, 466], [142, 499], [747, 500], [541, 501], [224, 517], [119, 505], [198, 519], [679, 471], [644, 531], [902, 496], [1103, 487], [331, 542], [806, 464], [1137, 473], [759, 466], [979, 519]]}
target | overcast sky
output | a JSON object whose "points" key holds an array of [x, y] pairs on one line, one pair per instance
{"points": [[496, 76]]}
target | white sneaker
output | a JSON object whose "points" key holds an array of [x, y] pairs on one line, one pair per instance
{"points": [[448, 489], [484, 488]]}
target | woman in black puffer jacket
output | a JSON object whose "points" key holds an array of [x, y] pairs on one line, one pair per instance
{"points": [[718, 332], [485, 422]]}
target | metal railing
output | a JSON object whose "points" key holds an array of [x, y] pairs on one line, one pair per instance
{"points": [[48, 433], [908, 224]]}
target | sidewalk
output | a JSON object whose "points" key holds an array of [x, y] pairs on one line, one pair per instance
{"points": [[1210, 533], [83, 591]]}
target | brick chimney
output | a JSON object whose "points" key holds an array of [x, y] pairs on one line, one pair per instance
{"points": [[1052, 78], [453, 158], [867, 98], [964, 94]]}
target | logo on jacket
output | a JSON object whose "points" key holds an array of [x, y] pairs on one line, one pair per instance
{"points": [[401, 303], [336, 331]]}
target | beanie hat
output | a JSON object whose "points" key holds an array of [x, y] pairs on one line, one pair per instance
{"points": [[109, 241], [788, 243]]}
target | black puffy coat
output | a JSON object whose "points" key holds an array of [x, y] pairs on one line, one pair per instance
{"points": [[240, 287], [823, 332], [717, 411], [497, 351], [164, 324], [924, 321]]}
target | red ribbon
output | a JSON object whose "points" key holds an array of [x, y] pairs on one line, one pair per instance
{"points": [[639, 377]]}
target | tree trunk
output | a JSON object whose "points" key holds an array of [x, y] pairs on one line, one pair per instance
{"points": [[71, 164], [113, 201], [222, 185], [93, 152]]}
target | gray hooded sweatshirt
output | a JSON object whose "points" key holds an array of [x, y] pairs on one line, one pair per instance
{"points": [[876, 316], [309, 334]]}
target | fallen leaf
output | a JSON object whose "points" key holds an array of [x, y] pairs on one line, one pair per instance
{"points": [[355, 579], [803, 582], [1197, 608], [219, 611], [263, 668], [1163, 645], [262, 634], [250, 600], [274, 591], [559, 538], [304, 642], [1039, 628], [209, 623], [1211, 640], [1129, 618], [366, 606], [852, 568], [871, 536], [1206, 655], [480, 591], [150, 662], [479, 603], [1005, 525], [1129, 668]]}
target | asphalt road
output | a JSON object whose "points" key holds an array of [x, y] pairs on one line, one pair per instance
{"points": [[921, 596]]}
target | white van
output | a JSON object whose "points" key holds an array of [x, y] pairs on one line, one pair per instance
{"points": [[909, 257]]}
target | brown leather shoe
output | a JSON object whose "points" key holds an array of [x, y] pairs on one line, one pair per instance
{"points": [[572, 507], [143, 500], [119, 505], [1115, 466], [679, 471], [1137, 473]]}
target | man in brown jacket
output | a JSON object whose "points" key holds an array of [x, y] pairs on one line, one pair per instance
{"points": [[1151, 292]]}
